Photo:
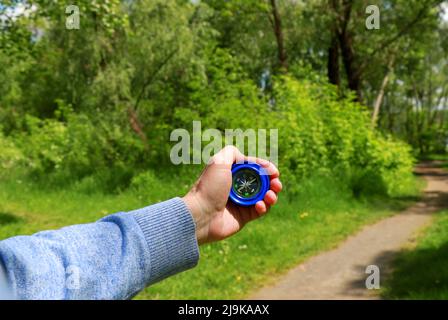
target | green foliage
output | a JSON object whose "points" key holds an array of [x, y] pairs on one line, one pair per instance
{"points": [[109, 96], [73, 146], [319, 132]]}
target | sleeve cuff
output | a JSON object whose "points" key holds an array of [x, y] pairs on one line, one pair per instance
{"points": [[170, 232]]}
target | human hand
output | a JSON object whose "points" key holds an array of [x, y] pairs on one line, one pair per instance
{"points": [[217, 218]]}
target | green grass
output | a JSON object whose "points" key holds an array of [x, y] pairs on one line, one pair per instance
{"points": [[317, 218], [422, 272]]}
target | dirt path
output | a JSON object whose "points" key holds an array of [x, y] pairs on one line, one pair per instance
{"points": [[340, 273]]}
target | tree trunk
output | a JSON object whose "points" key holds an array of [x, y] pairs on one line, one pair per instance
{"points": [[278, 31], [333, 61], [343, 12], [379, 98], [348, 57], [137, 126]]}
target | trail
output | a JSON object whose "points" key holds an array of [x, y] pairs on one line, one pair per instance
{"points": [[340, 273]]}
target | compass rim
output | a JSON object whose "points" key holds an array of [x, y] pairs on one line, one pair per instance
{"points": [[264, 187]]}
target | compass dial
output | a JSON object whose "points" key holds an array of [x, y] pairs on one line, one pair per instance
{"points": [[246, 183]]}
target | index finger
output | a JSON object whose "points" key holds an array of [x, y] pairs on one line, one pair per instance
{"points": [[231, 154]]}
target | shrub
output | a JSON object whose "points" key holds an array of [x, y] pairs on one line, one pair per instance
{"points": [[73, 146], [10, 154], [322, 133]]}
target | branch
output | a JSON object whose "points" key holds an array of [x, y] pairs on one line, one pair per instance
{"points": [[151, 78], [408, 27]]}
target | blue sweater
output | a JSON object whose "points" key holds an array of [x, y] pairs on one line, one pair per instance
{"points": [[113, 258]]}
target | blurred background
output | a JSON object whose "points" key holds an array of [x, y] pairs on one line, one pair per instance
{"points": [[86, 115]]}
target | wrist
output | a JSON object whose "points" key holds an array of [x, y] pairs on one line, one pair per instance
{"points": [[200, 217]]}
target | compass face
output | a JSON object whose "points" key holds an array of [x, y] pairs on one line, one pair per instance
{"points": [[246, 183]]}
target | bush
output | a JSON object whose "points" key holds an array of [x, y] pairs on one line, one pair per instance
{"points": [[10, 155], [72, 146], [320, 133]]}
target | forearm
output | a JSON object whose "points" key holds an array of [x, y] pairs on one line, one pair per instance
{"points": [[113, 258]]}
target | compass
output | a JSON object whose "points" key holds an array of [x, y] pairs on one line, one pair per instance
{"points": [[250, 182]]}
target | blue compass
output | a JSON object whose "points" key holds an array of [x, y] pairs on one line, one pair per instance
{"points": [[250, 182]]}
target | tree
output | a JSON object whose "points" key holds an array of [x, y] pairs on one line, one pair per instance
{"points": [[355, 43]]}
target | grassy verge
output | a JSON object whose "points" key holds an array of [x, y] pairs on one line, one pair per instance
{"points": [[317, 218], [421, 272]]}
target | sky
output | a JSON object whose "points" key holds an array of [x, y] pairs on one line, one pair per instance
{"points": [[445, 14]]}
